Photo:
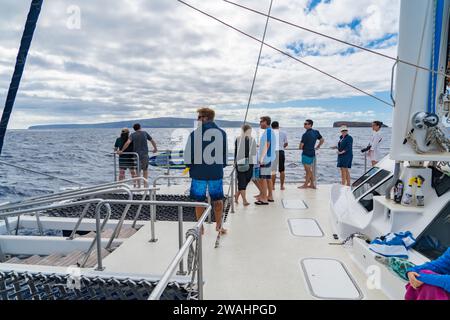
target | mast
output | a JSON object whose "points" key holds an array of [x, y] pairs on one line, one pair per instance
{"points": [[422, 101], [27, 37]]}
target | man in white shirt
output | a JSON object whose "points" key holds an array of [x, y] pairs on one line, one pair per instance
{"points": [[279, 163], [374, 153]]}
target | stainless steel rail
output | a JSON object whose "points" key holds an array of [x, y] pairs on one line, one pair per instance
{"points": [[192, 235], [74, 192], [99, 226], [138, 163]]}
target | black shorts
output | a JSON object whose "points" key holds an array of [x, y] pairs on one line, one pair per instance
{"points": [[127, 161], [279, 163], [144, 159]]}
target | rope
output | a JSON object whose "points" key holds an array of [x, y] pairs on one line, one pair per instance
{"points": [[288, 54], [257, 63], [40, 173], [340, 40]]}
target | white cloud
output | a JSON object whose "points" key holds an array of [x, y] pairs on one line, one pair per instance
{"points": [[157, 58]]}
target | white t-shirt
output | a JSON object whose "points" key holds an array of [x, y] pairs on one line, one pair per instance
{"points": [[375, 142], [281, 139]]}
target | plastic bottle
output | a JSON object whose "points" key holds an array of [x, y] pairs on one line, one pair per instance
{"points": [[398, 191], [420, 197], [407, 198]]}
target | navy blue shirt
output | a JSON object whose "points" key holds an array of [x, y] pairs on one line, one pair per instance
{"points": [[204, 155], [346, 144], [309, 140]]}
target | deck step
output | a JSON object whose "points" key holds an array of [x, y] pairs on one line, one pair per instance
{"points": [[125, 232], [92, 260], [14, 260], [50, 260], [32, 260], [70, 259]]}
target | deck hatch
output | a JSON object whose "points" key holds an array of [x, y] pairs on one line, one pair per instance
{"points": [[305, 228], [330, 279], [294, 204]]}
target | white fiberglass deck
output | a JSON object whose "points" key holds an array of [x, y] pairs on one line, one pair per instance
{"points": [[259, 258]]}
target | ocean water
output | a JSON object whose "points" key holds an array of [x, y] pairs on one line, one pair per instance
{"points": [[85, 156]]}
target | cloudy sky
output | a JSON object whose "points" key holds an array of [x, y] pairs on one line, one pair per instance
{"points": [[129, 59]]}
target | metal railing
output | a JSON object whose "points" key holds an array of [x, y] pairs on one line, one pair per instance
{"points": [[99, 226], [135, 161], [192, 235]]}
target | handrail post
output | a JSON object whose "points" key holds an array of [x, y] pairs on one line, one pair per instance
{"points": [[180, 239], [365, 161], [200, 264], [7, 226], [75, 229], [232, 191], [39, 224], [99, 241], [153, 217], [168, 168], [115, 167], [209, 216]]}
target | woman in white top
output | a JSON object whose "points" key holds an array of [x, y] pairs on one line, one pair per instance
{"points": [[374, 151]]}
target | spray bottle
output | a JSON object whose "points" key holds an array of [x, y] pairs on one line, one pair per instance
{"points": [[398, 191], [408, 195], [420, 197]]}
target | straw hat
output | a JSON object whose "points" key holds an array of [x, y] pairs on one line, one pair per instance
{"points": [[343, 128]]}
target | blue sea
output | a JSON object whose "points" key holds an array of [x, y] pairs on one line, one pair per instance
{"points": [[86, 156]]}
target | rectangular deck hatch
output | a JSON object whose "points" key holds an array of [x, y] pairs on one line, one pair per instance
{"points": [[305, 228], [329, 279], [294, 204]]}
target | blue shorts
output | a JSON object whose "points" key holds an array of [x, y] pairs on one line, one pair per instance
{"points": [[308, 160], [199, 187]]}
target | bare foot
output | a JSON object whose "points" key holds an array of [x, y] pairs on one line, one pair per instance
{"points": [[236, 199], [222, 231], [312, 187], [257, 196], [246, 204], [303, 187], [282, 188]]}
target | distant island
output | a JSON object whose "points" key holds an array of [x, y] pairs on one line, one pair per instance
{"points": [[165, 122], [354, 124]]}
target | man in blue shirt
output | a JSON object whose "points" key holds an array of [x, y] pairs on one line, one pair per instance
{"points": [[266, 154], [308, 146], [206, 155]]}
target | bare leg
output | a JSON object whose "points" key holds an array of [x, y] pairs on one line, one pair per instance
{"points": [[282, 180], [374, 163], [145, 174], [198, 214], [258, 185], [236, 196], [244, 197], [263, 184], [274, 180], [121, 174], [348, 178], [312, 178], [343, 177], [270, 189], [307, 176], [218, 210]]}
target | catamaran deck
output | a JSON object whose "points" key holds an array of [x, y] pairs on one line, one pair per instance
{"points": [[259, 258]]}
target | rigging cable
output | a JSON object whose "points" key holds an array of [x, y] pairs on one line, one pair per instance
{"points": [[257, 63], [436, 72], [27, 37], [287, 54]]}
